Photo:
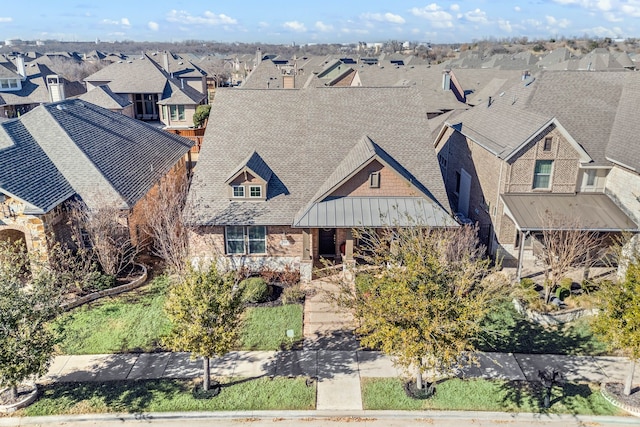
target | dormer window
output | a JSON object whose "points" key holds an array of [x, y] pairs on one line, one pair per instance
{"points": [[255, 191], [9, 84], [238, 191]]}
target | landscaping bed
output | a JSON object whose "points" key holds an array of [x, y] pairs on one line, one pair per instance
{"points": [[238, 394], [487, 395], [614, 393]]}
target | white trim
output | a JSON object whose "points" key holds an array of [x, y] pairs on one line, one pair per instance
{"points": [[233, 191]]}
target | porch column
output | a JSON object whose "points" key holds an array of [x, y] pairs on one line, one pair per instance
{"points": [[348, 249], [520, 256], [306, 262]]}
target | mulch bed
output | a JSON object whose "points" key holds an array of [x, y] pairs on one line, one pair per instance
{"points": [[23, 391], [273, 300], [616, 390]]}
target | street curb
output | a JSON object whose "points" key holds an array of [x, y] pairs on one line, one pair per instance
{"points": [[561, 419]]}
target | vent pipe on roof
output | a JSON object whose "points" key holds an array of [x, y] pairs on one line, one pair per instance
{"points": [[526, 74]]}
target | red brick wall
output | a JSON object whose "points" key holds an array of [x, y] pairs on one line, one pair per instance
{"points": [[391, 184]]}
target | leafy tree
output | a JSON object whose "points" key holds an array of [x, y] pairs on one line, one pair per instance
{"points": [[204, 310], [425, 305], [618, 322], [201, 115], [30, 297]]}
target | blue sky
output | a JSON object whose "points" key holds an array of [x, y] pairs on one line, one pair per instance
{"points": [[329, 21]]}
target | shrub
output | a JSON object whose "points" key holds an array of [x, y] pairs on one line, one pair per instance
{"points": [[289, 276], [99, 281], [292, 294], [269, 274], [255, 290], [527, 283], [562, 293], [363, 283], [201, 114]]}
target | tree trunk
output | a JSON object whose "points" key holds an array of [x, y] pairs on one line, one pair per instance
{"points": [[206, 378], [629, 380], [418, 378], [13, 392]]}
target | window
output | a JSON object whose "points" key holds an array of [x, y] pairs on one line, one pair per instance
{"points": [[547, 144], [374, 180], [177, 112], [8, 84], [238, 191], [255, 191], [542, 174], [590, 175], [246, 239], [457, 183]]}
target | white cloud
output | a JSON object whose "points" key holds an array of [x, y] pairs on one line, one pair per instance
{"points": [[631, 9], [124, 22], [612, 17], [383, 17], [153, 26], [295, 26], [557, 23], [517, 9], [5, 19], [478, 16], [455, 7], [263, 24], [207, 18], [325, 28], [505, 25], [433, 13], [603, 32]]}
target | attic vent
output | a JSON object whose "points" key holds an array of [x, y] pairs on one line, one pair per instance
{"points": [[61, 107]]}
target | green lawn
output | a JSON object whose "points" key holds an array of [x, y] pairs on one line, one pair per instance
{"points": [[266, 327], [135, 322], [507, 331], [171, 396], [485, 395]]}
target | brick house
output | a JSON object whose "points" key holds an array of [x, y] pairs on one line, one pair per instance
{"points": [[287, 174], [537, 148], [76, 150]]}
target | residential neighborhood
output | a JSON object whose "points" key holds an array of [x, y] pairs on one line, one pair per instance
{"points": [[364, 230]]}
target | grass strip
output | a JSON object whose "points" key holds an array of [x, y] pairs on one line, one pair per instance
{"points": [[488, 395], [166, 395], [266, 328]]}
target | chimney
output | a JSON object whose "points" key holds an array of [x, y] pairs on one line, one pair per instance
{"points": [[526, 74], [20, 66], [165, 62], [56, 88], [446, 80]]}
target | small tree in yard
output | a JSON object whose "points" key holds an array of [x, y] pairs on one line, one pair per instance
{"points": [[205, 311], [424, 305], [30, 297], [201, 115], [567, 244], [618, 321]]}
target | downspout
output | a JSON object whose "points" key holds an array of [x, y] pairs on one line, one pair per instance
{"points": [[491, 215]]}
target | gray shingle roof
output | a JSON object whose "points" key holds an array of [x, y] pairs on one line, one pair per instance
{"points": [[132, 76], [175, 94], [104, 97], [94, 152], [624, 147], [303, 135], [584, 103]]}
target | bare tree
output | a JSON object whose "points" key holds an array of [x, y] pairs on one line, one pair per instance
{"points": [[75, 71], [103, 229], [567, 244], [165, 221]]}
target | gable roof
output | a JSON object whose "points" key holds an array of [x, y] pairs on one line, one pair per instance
{"points": [[174, 94], [304, 135], [104, 97], [80, 148], [623, 147], [136, 75], [585, 104], [255, 165]]}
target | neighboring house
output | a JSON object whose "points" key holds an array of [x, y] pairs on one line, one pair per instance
{"points": [[75, 150], [103, 96], [540, 148], [285, 175], [148, 86], [24, 86]]}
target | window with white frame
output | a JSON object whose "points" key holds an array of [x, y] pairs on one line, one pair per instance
{"points": [[9, 84], [542, 174], [255, 191], [243, 240], [176, 112], [238, 190]]}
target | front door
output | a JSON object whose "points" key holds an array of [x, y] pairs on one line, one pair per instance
{"points": [[327, 242]]}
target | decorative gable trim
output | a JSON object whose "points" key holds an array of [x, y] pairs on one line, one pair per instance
{"points": [[255, 166]]}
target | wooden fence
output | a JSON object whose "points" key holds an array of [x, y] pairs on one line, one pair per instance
{"points": [[196, 135]]}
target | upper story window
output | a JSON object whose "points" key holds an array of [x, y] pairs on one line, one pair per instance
{"points": [[542, 174], [176, 112], [255, 191], [457, 190], [9, 84], [238, 190], [374, 180], [546, 146]]}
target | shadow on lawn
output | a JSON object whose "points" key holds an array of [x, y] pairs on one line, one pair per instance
{"points": [[508, 331], [529, 396]]}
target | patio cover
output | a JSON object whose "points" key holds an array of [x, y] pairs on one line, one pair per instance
{"points": [[596, 211], [348, 212]]}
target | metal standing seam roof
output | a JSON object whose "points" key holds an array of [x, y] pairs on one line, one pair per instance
{"points": [[595, 211], [375, 212]]}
